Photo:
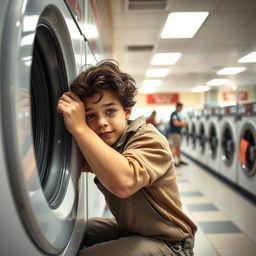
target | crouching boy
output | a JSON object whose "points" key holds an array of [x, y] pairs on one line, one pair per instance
{"points": [[133, 165]]}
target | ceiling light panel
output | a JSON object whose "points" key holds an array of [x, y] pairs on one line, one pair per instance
{"points": [[200, 88], [151, 83], [251, 57], [231, 70], [157, 72], [165, 58], [183, 24], [217, 82], [150, 86]]}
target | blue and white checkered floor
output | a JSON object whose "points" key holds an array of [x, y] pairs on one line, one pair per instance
{"points": [[226, 219]]}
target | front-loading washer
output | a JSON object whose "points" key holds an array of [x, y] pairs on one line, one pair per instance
{"points": [[186, 134], [228, 144], [198, 122], [247, 148], [43, 200], [213, 135], [202, 137]]}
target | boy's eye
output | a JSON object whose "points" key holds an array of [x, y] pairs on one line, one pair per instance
{"points": [[89, 116], [110, 111]]}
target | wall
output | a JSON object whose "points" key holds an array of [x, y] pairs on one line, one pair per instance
{"points": [[190, 101]]}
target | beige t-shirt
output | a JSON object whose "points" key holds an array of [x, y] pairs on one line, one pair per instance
{"points": [[155, 209]]}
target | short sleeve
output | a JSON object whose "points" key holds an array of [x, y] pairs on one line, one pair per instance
{"points": [[149, 154]]}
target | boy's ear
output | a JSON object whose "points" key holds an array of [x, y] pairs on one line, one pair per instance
{"points": [[128, 112]]}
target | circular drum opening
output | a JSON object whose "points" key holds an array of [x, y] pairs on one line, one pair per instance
{"points": [[52, 143], [213, 140], [202, 138], [248, 133], [227, 144], [193, 135], [187, 134]]}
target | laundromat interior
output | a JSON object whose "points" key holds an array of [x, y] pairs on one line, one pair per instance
{"points": [[46, 200]]}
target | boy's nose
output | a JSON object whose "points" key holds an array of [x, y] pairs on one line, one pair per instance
{"points": [[102, 122]]}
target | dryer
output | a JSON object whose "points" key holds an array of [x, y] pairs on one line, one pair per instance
{"points": [[247, 134], [43, 200], [228, 144], [213, 135]]}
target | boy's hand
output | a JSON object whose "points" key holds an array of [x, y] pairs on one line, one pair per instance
{"points": [[73, 111]]}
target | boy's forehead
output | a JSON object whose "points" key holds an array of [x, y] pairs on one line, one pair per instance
{"points": [[107, 96]]}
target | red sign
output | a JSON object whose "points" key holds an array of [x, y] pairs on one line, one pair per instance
{"points": [[162, 98], [231, 96], [243, 95]]}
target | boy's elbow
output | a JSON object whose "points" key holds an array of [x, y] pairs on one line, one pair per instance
{"points": [[123, 191]]}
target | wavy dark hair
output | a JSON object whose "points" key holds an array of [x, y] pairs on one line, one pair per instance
{"points": [[106, 75]]}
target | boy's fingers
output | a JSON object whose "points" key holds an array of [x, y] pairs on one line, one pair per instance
{"points": [[72, 96]]}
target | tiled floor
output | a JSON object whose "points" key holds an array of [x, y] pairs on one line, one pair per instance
{"points": [[226, 220]]}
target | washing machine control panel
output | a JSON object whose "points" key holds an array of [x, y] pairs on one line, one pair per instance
{"points": [[248, 109], [216, 111], [229, 111], [206, 113]]}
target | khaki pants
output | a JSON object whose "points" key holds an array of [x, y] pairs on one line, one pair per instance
{"points": [[103, 238]]}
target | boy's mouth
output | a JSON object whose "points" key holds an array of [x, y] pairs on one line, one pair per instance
{"points": [[105, 134]]}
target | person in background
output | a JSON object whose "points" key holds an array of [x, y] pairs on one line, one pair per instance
{"points": [[176, 125], [133, 168], [152, 119]]}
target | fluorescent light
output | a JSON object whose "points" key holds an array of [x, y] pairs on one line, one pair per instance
{"points": [[147, 90], [149, 86], [200, 88], [151, 83], [251, 57], [231, 70], [183, 24], [217, 82], [157, 72], [165, 58]]}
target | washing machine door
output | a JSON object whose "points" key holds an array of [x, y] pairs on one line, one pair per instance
{"points": [[202, 138], [40, 164], [227, 144], [248, 137], [187, 134], [193, 135], [213, 140]]}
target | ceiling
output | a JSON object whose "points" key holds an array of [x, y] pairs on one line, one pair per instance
{"points": [[227, 34]]}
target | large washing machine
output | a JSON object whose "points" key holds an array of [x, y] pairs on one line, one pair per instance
{"points": [[203, 137], [228, 143], [193, 128], [213, 135], [247, 148], [185, 145], [42, 194], [198, 119]]}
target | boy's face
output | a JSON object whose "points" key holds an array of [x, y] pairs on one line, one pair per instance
{"points": [[107, 118]]}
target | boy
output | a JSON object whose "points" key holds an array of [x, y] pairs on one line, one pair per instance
{"points": [[133, 166]]}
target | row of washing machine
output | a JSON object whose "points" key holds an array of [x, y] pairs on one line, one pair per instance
{"points": [[224, 141]]}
